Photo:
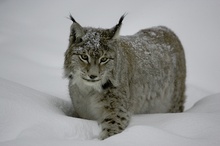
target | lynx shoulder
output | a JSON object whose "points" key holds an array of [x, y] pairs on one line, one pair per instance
{"points": [[112, 77]]}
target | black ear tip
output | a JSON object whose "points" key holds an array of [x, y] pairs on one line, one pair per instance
{"points": [[122, 18], [71, 18]]}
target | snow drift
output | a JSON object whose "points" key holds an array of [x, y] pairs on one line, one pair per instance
{"points": [[29, 117]]}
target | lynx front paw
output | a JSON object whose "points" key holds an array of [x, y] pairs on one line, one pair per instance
{"points": [[107, 133], [112, 126], [103, 135]]}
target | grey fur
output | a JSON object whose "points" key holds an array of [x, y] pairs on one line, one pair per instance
{"points": [[112, 77]]}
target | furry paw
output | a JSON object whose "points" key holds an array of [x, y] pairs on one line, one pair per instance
{"points": [[103, 135], [107, 133]]}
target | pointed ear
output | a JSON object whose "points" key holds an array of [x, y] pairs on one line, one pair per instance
{"points": [[76, 31], [116, 29]]}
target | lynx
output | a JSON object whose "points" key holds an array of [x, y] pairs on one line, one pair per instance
{"points": [[112, 77]]}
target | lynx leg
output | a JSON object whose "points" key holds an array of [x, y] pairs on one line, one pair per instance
{"points": [[115, 116], [178, 97], [113, 124]]}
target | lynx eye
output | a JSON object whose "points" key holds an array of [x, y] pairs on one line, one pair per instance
{"points": [[84, 58], [104, 60]]}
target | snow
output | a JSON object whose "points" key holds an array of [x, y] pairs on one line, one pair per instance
{"points": [[92, 38], [35, 108], [30, 117]]}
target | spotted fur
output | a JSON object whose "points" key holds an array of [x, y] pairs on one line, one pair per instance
{"points": [[112, 77]]}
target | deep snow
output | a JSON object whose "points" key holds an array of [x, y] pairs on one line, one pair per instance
{"points": [[35, 107], [29, 117]]}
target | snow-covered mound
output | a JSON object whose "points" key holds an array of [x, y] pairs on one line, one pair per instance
{"points": [[29, 117]]}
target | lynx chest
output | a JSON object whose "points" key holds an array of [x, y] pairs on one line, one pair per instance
{"points": [[85, 103]]}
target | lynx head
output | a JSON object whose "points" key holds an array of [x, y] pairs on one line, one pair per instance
{"points": [[90, 58]]}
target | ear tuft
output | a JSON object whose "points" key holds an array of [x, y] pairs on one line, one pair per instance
{"points": [[71, 18], [76, 31], [122, 18], [116, 29]]}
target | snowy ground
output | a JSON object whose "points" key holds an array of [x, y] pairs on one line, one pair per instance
{"points": [[34, 102]]}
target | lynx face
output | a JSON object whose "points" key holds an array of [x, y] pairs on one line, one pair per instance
{"points": [[90, 58], [92, 65]]}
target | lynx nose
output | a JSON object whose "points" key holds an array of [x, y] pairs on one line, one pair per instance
{"points": [[92, 76]]}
